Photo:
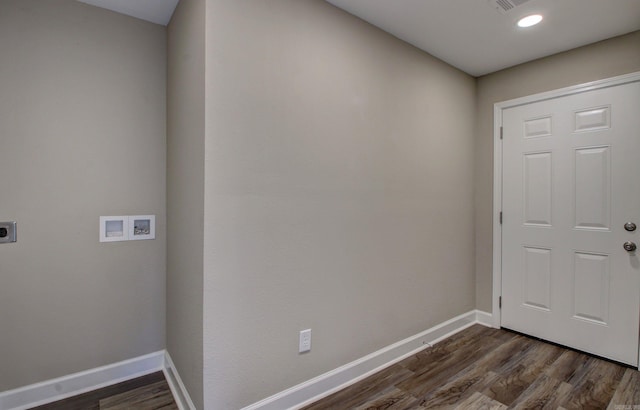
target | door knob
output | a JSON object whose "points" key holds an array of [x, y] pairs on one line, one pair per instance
{"points": [[629, 246], [630, 226]]}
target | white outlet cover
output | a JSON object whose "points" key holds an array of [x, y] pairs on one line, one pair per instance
{"points": [[305, 341], [114, 228]]}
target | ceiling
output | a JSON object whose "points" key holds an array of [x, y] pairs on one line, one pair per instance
{"points": [[155, 11], [476, 36]]}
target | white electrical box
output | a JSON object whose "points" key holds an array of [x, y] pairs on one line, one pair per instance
{"points": [[142, 227], [114, 228], [127, 228]]}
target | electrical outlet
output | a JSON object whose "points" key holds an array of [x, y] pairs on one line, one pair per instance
{"points": [[305, 341]]}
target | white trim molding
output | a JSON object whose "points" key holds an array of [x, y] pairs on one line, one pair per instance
{"points": [[178, 389], [82, 382], [485, 319], [315, 389], [297, 396], [497, 214]]}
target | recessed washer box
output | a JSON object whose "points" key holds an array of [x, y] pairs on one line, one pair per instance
{"points": [[142, 227], [114, 228]]}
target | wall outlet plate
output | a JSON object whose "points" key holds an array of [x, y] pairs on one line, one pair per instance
{"points": [[114, 228], [8, 232], [127, 228], [305, 341]]}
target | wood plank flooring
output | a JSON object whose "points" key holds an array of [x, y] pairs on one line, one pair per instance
{"points": [[484, 368], [150, 392], [478, 368]]}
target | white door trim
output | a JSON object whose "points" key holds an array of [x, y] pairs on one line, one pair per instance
{"points": [[497, 168]]}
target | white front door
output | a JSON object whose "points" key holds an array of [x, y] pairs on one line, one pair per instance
{"points": [[571, 180]]}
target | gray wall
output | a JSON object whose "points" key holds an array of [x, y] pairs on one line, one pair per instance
{"points": [[82, 134], [328, 165], [185, 192], [620, 55], [338, 194]]}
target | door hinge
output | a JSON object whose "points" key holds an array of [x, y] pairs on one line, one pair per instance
{"points": [[500, 217], [501, 131], [499, 302]]}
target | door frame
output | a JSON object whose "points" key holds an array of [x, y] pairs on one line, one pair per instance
{"points": [[497, 169]]}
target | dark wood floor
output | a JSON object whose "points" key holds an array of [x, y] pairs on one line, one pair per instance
{"points": [[148, 392], [478, 368], [484, 368]]}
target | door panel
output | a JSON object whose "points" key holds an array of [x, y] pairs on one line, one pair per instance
{"points": [[591, 287], [537, 277], [570, 171], [592, 188], [537, 188]]}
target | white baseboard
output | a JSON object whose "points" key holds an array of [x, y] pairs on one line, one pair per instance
{"points": [[178, 389], [82, 382], [484, 318], [293, 398], [312, 390], [71, 385]]}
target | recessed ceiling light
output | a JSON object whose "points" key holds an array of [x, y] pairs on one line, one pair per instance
{"points": [[529, 21]]}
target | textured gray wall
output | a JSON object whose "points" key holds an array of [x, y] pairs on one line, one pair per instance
{"points": [[338, 194], [82, 134], [616, 56], [185, 192]]}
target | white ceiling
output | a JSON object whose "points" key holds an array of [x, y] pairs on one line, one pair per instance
{"points": [[471, 35], [475, 37], [155, 11]]}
